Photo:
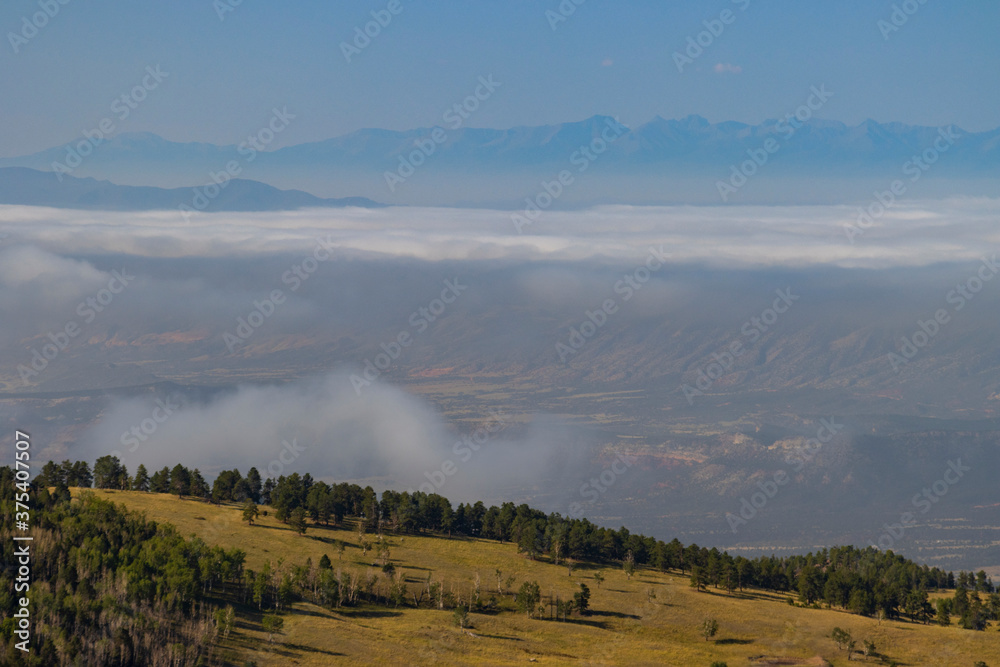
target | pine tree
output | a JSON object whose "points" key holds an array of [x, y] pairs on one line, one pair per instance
{"points": [[50, 475], [253, 481], [160, 481], [297, 520], [198, 485], [109, 473], [265, 492], [581, 600], [80, 475], [141, 480], [697, 577], [180, 481], [528, 540], [250, 511], [943, 616]]}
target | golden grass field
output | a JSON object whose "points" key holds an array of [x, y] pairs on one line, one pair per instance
{"points": [[628, 626]]}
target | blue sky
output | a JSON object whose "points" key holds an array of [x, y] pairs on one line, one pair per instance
{"points": [[612, 58]]}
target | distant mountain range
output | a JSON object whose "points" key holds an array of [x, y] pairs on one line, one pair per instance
{"points": [[30, 187], [662, 161]]}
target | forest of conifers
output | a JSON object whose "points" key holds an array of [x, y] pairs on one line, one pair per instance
{"points": [[106, 582]]}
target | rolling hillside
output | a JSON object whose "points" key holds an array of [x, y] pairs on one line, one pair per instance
{"points": [[652, 618]]}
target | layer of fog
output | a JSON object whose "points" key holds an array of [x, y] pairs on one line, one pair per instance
{"points": [[908, 233], [194, 280], [174, 316], [320, 425]]}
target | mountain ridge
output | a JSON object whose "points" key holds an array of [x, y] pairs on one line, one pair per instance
{"points": [[22, 186], [658, 162]]}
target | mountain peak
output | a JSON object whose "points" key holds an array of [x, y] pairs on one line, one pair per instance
{"points": [[694, 120]]}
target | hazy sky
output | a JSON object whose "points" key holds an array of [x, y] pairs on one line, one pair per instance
{"points": [[225, 75]]}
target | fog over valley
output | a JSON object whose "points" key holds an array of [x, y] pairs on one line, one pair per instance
{"points": [[704, 346]]}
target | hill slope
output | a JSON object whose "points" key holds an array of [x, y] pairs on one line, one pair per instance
{"points": [[29, 187], [628, 624]]}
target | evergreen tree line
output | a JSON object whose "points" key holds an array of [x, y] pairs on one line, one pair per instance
{"points": [[107, 586], [972, 611], [864, 581]]}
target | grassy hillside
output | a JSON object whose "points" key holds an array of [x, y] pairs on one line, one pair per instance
{"points": [[653, 618]]}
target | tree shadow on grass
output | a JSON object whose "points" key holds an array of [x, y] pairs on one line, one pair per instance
{"points": [[368, 613], [603, 625], [413, 567], [282, 527], [747, 594], [728, 641], [319, 614], [285, 649], [616, 614], [511, 639]]}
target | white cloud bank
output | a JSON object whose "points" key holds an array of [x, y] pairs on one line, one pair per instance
{"points": [[909, 234], [321, 426]]}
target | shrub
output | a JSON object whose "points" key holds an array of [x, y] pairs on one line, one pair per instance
{"points": [[462, 617]]}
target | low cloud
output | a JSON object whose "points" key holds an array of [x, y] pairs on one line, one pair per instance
{"points": [[321, 426], [193, 282], [911, 233]]}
